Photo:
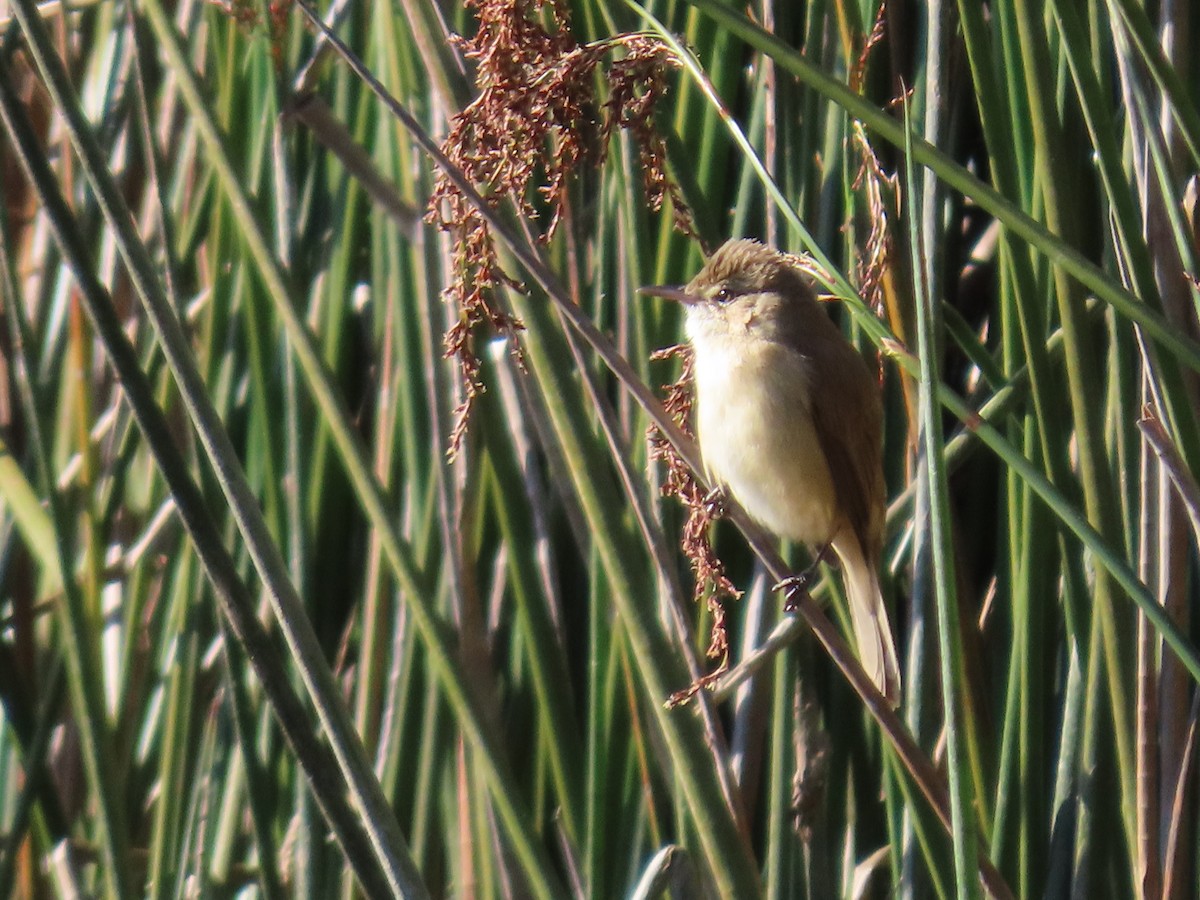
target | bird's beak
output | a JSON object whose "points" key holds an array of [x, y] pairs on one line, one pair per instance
{"points": [[667, 292]]}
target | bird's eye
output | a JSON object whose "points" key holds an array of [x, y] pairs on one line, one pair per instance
{"points": [[724, 295]]}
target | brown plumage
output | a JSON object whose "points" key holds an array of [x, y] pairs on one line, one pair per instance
{"points": [[790, 421]]}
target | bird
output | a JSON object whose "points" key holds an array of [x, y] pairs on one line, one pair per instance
{"points": [[789, 420]]}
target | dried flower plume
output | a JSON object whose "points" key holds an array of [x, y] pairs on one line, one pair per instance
{"points": [[536, 120]]}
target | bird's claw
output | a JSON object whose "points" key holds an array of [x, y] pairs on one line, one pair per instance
{"points": [[714, 502], [798, 584], [793, 585]]}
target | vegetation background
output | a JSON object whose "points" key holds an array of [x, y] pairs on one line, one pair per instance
{"points": [[261, 635]]}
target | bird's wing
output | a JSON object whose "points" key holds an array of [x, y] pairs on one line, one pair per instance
{"points": [[848, 415]]}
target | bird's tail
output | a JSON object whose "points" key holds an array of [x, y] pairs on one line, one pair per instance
{"points": [[872, 630]]}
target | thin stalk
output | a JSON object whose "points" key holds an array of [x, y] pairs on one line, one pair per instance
{"points": [[179, 683], [964, 826]]}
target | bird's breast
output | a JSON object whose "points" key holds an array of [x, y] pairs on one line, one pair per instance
{"points": [[757, 437]]}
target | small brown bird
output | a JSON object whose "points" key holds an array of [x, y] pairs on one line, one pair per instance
{"points": [[790, 422]]}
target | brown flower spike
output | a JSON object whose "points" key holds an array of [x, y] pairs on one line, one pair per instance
{"points": [[536, 120]]}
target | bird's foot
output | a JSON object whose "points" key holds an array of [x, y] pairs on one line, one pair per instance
{"points": [[797, 584], [793, 585], [714, 502]]}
